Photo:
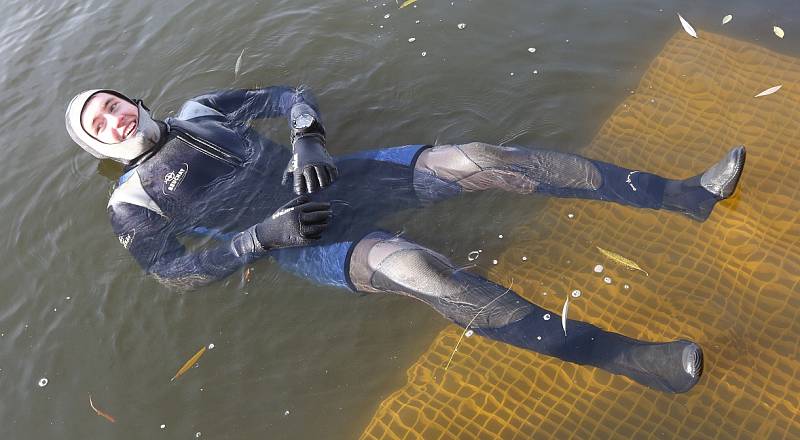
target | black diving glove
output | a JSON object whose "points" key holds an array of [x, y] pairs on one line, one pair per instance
{"points": [[311, 167], [296, 223]]}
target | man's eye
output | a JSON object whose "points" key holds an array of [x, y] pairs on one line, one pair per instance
{"points": [[113, 106]]}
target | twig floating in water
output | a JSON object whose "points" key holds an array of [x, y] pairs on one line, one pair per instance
{"points": [[189, 364], [455, 349], [106, 416], [619, 259]]}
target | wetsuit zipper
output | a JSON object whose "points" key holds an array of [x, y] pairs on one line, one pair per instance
{"points": [[210, 149]]}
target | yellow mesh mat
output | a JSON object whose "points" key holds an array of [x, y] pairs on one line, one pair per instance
{"points": [[732, 283]]}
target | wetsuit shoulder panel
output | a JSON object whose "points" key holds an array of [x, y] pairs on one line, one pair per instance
{"points": [[193, 109], [132, 191]]}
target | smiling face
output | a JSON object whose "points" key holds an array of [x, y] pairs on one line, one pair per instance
{"points": [[109, 118]]}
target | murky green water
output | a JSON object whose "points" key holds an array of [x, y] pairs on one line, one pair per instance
{"points": [[290, 360]]}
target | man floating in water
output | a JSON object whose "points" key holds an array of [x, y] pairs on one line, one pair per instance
{"points": [[207, 172]]}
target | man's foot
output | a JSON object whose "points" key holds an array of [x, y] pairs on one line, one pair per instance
{"points": [[721, 179], [696, 196], [673, 367]]}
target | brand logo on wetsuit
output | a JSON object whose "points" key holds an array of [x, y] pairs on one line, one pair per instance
{"points": [[174, 178], [126, 239]]}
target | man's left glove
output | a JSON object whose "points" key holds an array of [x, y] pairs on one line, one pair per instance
{"points": [[311, 167]]}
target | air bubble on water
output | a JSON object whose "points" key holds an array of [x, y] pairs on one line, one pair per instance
{"points": [[598, 268], [576, 293], [494, 261], [472, 256], [469, 333], [546, 316], [43, 382], [607, 280]]}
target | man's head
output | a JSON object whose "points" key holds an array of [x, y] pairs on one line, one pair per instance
{"points": [[108, 124]]}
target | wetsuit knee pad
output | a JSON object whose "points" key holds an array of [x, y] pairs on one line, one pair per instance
{"points": [[382, 262], [478, 166]]}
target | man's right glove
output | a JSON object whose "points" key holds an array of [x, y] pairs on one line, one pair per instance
{"points": [[297, 223], [311, 167]]}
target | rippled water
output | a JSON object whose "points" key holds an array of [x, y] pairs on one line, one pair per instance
{"points": [[291, 360]]}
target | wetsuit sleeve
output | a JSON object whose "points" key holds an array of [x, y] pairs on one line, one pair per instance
{"points": [[153, 242], [269, 102]]}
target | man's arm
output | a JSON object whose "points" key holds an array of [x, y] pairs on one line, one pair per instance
{"points": [[153, 241], [269, 102]]}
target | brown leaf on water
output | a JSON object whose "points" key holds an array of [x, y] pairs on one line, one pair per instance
{"points": [[189, 364], [100, 413], [406, 3], [619, 259]]}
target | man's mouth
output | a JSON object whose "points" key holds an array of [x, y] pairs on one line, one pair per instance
{"points": [[129, 131]]}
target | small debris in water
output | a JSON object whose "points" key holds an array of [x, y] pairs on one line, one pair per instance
{"points": [[494, 261], [412, 39], [524, 258], [535, 72], [43, 382], [69, 298], [607, 280], [500, 236], [472, 256], [469, 333], [417, 22], [55, 309], [544, 293], [531, 49], [576, 293], [538, 338], [424, 53], [387, 16], [512, 74], [286, 413], [598, 268], [570, 215], [778, 31], [163, 426], [198, 435], [626, 286], [462, 25], [211, 346], [546, 316]]}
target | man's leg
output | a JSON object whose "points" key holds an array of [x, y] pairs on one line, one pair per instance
{"points": [[381, 262], [449, 169]]}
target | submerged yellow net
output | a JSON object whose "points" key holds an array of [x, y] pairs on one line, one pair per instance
{"points": [[732, 283]]}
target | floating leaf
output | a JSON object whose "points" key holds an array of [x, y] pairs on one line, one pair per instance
{"points": [[687, 27], [727, 18], [101, 413], [238, 66], [564, 312], [769, 91], [619, 259], [189, 364], [778, 31], [406, 3]]}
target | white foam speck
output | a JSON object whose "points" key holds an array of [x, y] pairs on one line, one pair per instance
{"points": [[412, 39], [387, 15], [626, 287], [494, 261], [469, 333], [43, 382], [571, 215], [524, 258], [531, 49], [472, 256], [163, 426], [462, 25], [211, 346], [607, 280], [424, 53], [538, 338], [546, 316], [598, 268], [576, 293]]}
